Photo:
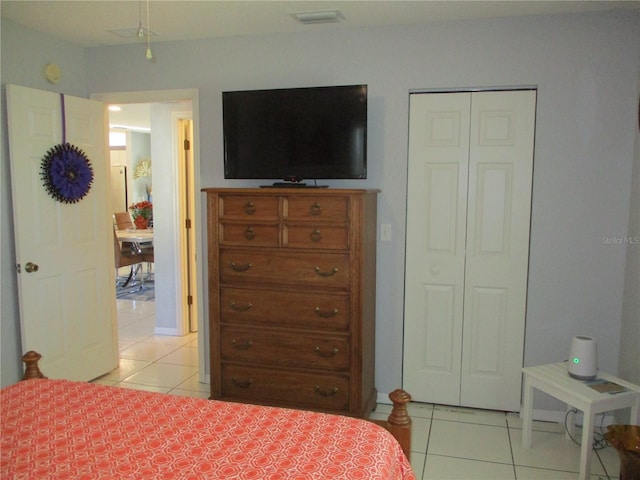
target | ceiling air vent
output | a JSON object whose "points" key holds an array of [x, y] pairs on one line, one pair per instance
{"points": [[325, 16]]}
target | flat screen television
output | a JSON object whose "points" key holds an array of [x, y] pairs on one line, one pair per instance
{"points": [[296, 134]]}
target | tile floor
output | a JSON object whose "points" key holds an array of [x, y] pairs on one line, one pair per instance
{"points": [[447, 443], [157, 363], [461, 443]]}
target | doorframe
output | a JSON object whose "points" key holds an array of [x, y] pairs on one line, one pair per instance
{"points": [[186, 179], [496, 88], [159, 96]]}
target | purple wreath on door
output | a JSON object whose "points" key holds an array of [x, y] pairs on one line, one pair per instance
{"points": [[67, 173]]}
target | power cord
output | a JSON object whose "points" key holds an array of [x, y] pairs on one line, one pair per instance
{"points": [[599, 442]]}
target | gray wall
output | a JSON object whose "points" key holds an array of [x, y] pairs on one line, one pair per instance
{"points": [[140, 148], [586, 69], [629, 367]]}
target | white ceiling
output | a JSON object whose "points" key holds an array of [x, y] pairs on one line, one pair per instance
{"points": [[91, 23], [132, 116]]}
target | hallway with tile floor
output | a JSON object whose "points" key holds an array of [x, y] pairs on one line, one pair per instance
{"points": [[157, 363], [448, 442]]}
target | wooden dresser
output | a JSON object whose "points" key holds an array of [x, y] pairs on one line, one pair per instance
{"points": [[292, 297]]}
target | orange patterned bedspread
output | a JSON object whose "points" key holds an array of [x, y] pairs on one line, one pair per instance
{"points": [[59, 429]]}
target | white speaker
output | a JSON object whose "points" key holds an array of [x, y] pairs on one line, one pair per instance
{"points": [[583, 358]]}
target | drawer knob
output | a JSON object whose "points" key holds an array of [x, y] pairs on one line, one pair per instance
{"points": [[330, 273], [330, 354], [326, 313], [315, 209], [249, 208], [242, 346], [316, 236], [249, 233], [240, 268], [242, 383], [325, 393], [241, 308]]}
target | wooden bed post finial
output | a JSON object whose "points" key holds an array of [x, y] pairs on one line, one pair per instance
{"points": [[399, 415], [31, 370], [399, 421]]}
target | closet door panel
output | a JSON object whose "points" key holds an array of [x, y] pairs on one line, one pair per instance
{"points": [[487, 322], [500, 172], [441, 208], [438, 304], [493, 210], [436, 218]]}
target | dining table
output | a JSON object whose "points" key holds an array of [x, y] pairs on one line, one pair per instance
{"points": [[137, 237]]}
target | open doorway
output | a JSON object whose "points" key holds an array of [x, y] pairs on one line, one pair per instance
{"points": [[132, 206], [176, 207]]}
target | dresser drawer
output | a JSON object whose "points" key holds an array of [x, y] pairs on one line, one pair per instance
{"points": [[264, 385], [286, 349], [316, 236], [249, 234], [276, 308], [330, 270], [319, 208], [248, 207]]}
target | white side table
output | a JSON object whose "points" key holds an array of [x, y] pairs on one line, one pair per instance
{"points": [[554, 380]]}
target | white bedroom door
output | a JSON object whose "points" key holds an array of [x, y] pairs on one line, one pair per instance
{"points": [[468, 211], [64, 251]]}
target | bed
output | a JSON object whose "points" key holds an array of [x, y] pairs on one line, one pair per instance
{"points": [[63, 429]]}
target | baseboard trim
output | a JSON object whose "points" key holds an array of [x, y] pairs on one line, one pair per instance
{"points": [[167, 331], [554, 416]]}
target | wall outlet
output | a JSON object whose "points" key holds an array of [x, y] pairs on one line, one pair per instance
{"points": [[385, 232]]}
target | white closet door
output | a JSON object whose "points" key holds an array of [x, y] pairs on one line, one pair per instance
{"points": [[468, 202], [498, 218], [436, 218]]}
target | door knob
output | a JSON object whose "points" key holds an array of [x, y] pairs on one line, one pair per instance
{"points": [[31, 267]]}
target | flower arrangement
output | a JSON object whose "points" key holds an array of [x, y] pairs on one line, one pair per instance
{"points": [[141, 212]]}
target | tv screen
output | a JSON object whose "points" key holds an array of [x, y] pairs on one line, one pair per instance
{"points": [[296, 134]]}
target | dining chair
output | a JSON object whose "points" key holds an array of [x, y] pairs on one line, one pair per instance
{"points": [[125, 256], [123, 221]]}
